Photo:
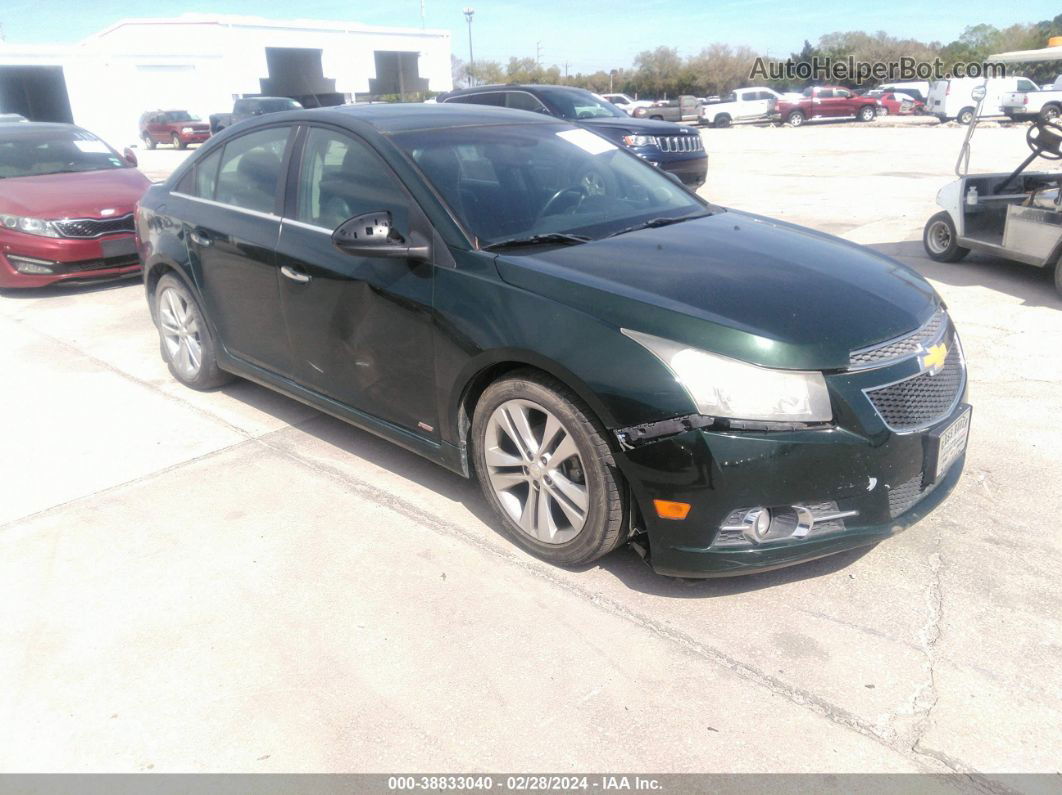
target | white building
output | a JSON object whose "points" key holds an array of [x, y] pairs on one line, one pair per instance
{"points": [[201, 63]]}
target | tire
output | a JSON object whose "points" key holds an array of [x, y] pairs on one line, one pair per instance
{"points": [[721, 121], [867, 113], [512, 474], [966, 115], [1048, 112], [883, 112], [175, 139], [149, 142], [1058, 278], [657, 118], [181, 322], [941, 240], [795, 118]]}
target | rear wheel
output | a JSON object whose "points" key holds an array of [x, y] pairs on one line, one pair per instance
{"points": [[546, 469], [795, 118], [1049, 112], [966, 115], [722, 120], [187, 345], [1058, 277], [867, 113], [941, 240], [657, 118]]}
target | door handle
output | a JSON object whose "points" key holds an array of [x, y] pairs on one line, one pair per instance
{"points": [[294, 275], [199, 238]]}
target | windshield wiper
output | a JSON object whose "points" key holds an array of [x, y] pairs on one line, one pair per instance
{"points": [[549, 238], [653, 223]]}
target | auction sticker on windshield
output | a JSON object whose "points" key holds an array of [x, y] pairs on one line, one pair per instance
{"points": [[587, 141]]}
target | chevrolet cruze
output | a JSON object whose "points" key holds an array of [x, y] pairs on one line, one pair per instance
{"points": [[522, 301]]}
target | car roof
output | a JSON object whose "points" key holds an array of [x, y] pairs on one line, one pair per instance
{"points": [[405, 116], [511, 86]]}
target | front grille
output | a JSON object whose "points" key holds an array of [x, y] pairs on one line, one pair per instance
{"points": [[94, 227], [679, 143], [97, 264], [900, 348], [919, 401], [902, 497]]}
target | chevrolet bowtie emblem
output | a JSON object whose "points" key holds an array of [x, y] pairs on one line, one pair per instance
{"points": [[934, 357]]}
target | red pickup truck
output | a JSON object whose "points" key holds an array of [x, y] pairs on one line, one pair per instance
{"points": [[826, 102]]}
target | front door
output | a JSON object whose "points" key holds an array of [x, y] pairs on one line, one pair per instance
{"points": [[232, 235], [360, 327]]}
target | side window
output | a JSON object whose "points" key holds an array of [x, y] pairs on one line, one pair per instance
{"points": [[520, 100], [826, 93], [206, 175], [489, 98], [250, 169], [842, 93], [341, 177]]}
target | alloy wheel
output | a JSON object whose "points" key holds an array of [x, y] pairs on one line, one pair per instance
{"points": [[536, 471], [180, 333]]}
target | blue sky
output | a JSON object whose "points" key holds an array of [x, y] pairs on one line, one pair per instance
{"points": [[587, 35]]}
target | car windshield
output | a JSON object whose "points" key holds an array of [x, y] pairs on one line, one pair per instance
{"points": [[575, 104], [30, 153], [511, 182], [180, 115]]}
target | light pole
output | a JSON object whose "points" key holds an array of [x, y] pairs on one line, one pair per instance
{"points": [[469, 11], [611, 74]]}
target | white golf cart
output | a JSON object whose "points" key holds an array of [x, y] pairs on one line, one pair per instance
{"points": [[1017, 215]]}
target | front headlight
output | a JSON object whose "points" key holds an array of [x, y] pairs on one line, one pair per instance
{"points": [[31, 226], [723, 387], [187, 130], [639, 140]]}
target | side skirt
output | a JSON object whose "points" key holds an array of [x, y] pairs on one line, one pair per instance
{"points": [[441, 453]]}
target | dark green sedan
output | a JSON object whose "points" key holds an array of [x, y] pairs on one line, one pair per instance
{"points": [[614, 359]]}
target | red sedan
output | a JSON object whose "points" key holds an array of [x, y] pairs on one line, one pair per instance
{"points": [[66, 206]]}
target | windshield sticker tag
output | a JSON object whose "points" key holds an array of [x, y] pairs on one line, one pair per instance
{"points": [[93, 147], [587, 141]]}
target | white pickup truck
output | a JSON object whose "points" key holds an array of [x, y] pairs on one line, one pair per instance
{"points": [[1032, 105], [746, 104]]}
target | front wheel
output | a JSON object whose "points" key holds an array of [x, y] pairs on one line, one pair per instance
{"points": [[867, 113], [149, 142], [177, 142], [795, 119], [546, 469], [187, 345], [941, 240]]}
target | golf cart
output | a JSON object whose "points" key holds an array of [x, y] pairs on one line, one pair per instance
{"points": [[1016, 215]]}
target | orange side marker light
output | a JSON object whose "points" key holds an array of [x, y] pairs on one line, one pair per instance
{"points": [[666, 509]]}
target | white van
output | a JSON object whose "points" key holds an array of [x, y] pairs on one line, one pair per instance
{"points": [[950, 99]]}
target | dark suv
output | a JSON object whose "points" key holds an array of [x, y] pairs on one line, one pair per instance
{"points": [[176, 127], [675, 148]]}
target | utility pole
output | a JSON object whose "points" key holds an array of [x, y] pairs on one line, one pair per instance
{"points": [[565, 70], [469, 11], [611, 74], [422, 13], [538, 54]]}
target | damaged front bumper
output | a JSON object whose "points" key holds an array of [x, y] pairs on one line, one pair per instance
{"points": [[865, 488]]}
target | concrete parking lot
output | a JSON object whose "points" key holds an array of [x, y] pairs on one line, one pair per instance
{"points": [[234, 582]]}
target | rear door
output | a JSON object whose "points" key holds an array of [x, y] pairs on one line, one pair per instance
{"points": [[360, 326], [233, 224]]}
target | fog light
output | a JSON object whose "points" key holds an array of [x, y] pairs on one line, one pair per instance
{"points": [[29, 265]]}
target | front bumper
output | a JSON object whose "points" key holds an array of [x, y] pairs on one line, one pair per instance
{"points": [[67, 259], [197, 137], [882, 476], [690, 168]]}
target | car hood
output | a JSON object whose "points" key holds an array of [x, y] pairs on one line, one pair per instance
{"points": [[636, 126], [737, 284], [82, 195]]}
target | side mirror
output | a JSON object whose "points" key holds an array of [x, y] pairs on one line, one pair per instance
{"points": [[129, 157], [372, 235], [978, 93]]}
